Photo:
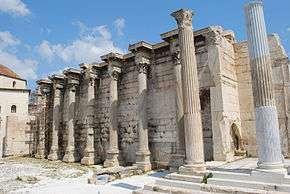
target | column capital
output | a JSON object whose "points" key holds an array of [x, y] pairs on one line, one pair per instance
{"points": [[57, 81], [183, 17], [214, 37], [114, 72], [44, 86], [90, 73]]}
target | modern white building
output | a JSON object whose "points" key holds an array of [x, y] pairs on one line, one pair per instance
{"points": [[14, 118]]}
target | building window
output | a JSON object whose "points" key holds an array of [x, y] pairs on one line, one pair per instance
{"points": [[14, 84], [13, 109]]}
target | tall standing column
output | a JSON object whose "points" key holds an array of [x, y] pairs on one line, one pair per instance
{"points": [[57, 87], [42, 106], [113, 151], [194, 162], [72, 83], [143, 153], [89, 156], [267, 126]]}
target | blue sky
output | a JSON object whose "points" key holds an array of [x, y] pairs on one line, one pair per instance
{"points": [[40, 37]]}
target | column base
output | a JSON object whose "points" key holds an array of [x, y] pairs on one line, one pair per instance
{"points": [[143, 160], [277, 168], [192, 169], [40, 154], [145, 167], [112, 159], [69, 157], [53, 155], [88, 160]]}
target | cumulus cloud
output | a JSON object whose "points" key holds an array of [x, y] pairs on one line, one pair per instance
{"points": [[14, 7], [119, 24], [7, 39], [26, 67], [288, 29], [91, 44]]}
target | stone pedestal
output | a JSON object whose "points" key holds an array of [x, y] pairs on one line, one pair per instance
{"points": [[194, 162], [57, 87], [143, 153], [89, 153], [267, 126], [113, 151]]}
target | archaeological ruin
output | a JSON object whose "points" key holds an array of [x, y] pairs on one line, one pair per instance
{"points": [[196, 96]]}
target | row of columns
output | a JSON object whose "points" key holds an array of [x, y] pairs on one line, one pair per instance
{"points": [[268, 141], [69, 83]]}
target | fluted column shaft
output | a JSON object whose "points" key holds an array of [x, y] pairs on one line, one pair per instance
{"points": [[113, 151], [143, 153], [267, 126], [190, 89], [88, 158], [70, 149], [53, 155]]}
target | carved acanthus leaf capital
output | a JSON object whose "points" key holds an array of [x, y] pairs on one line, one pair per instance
{"points": [[114, 72], [214, 38], [183, 18]]}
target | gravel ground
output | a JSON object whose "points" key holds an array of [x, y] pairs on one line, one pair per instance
{"points": [[24, 175]]}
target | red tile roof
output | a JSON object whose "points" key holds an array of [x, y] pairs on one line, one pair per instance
{"points": [[8, 72]]}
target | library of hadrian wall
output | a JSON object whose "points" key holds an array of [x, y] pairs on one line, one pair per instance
{"points": [[143, 108]]}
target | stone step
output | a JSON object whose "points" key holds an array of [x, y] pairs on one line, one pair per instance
{"points": [[165, 185], [180, 177], [249, 184]]}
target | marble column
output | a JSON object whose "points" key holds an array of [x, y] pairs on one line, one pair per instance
{"points": [[57, 87], [42, 103], [113, 151], [143, 153], [70, 106], [89, 156], [194, 162], [267, 126]]}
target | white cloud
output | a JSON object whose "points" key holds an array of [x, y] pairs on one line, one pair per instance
{"points": [[119, 24], [92, 43], [7, 39], [45, 50], [288, 29], [26, 68], [14, 7]]}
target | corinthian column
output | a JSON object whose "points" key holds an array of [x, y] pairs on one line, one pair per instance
{"points": [[114, 71], [72, 82], [43, 94], [90, 77], [194, 162], [143, 153], [57, 87], [267, 126]]}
